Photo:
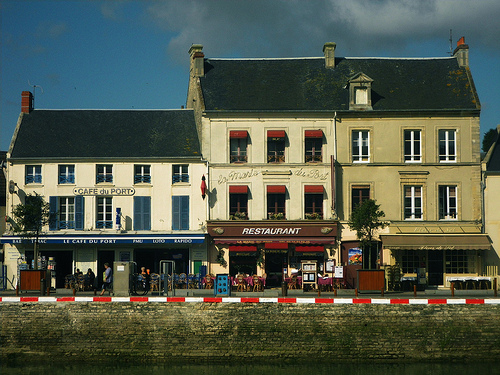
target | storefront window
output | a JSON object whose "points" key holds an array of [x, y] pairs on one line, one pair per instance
{"points": [[459, 261], [410, 261]]}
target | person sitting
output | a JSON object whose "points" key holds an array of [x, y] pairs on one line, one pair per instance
{"points": [[89, 280]]}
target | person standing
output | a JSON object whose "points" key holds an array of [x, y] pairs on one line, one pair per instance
{"points": [[108, 278]]}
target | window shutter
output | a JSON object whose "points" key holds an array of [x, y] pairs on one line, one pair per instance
{"points": [[176, 213], [185, 212], [79, 212], [138, 217], [146, 213], [53, 222]]}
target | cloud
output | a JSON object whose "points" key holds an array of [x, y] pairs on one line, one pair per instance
{"points": [[52, 30], [279, 28]]}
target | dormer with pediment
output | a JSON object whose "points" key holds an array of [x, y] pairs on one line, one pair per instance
{"points": [[360, 92]]}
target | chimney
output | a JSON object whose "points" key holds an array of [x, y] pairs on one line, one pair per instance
{"points": [[329, 51], [197, 60], [26, 102], [462, 53]]}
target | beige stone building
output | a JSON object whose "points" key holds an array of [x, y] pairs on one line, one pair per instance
{"points": [[404, 132]]}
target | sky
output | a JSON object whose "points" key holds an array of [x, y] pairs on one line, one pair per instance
{"points": [[134, 54]]}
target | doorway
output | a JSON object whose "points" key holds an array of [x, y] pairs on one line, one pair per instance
{"points": [[435, 267], [64, 264], [275, 262]]}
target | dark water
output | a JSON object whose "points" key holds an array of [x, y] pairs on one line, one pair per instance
{"points": [[286, 369]]}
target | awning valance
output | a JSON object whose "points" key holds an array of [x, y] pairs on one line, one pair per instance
{"points": [[242, 248], [314, 134], [313, 189], [309, 249], [276, 189], [238, 189], [276, 245], [276, 134], [238, 134], [436, 242]]}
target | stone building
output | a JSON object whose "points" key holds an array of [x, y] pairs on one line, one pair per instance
{"points": [[294, 140], [123, 185]]}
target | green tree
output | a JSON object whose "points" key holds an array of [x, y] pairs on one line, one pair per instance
{"points": [[30, 218], [365, 220], [489, 138]]}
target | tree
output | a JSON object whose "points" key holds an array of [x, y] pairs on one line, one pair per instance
{"points": [[489, 138], [365, 220], [30, 218]]}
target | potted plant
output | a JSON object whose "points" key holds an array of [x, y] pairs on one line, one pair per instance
{"points": [[314, 216]]}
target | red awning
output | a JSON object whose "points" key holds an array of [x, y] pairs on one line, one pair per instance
{"points": [[276, 189], [314, 189], [238, 134], [275, 134], [314, 133], [276, 245], [309, 249], [238, 189], [242, 248]]}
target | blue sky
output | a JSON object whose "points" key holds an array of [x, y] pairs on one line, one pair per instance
{"points": [[134, 54]]}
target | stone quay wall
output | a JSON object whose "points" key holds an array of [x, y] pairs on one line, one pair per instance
{"points": [[247, 332]]}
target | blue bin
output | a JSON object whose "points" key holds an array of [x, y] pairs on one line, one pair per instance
{"points": [[222, 286]]}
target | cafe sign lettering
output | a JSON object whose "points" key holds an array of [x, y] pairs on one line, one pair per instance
{"points": [[104, 191], [270, 231]]}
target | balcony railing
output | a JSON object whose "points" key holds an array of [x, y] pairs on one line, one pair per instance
{"points": [[69, 179], [68, 224], [34, 179], [104, 224], [314, 158], [100, 178], [180, 178], [239, 159], [276, 216], [276, 157], [142, 179]]}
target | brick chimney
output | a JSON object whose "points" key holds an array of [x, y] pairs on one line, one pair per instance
{"points": [[197, 60], [462, 53], [329, 51], [26, 102]]}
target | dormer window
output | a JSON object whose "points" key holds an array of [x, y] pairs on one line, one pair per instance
{"points": [[360, 92]]}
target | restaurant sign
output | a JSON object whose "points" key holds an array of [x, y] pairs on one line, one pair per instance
{"points": [[104, 191]]}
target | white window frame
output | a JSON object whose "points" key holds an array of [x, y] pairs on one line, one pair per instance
{"points": [[357, 152], [142, 175], [182, 173], [67, 210], [447, 202], [415, 155], [107, 202], [448, 143], [413, 202]]}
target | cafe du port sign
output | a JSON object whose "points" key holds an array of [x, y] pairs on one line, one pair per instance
{"points": [[104, 191]]}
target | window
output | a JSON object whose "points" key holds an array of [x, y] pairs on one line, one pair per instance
{"points": [[447, 203], [104, 173], [275, 146], [142, 213], [180, 212], [104, 213], [66, 213], [314, 144], [410, 261], [180, 173], [413, 146], [238, 202], [447, 146], [361, 95], [276, 195], [361, 146], [459, 261], [142, 174], [33, 174], [238, 146], [358, 195], [360, 89], [313, 199], [413, 203], [66, 174]]}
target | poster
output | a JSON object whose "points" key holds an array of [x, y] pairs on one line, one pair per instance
{"points": [[355, 256]]}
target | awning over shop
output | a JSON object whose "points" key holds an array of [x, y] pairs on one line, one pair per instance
{"points": [[436, 242], [242, 248], [295, 240], [108, 239], [276, 245], [309, 249]]}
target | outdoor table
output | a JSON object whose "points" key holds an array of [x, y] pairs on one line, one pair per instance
{"points": [[475, 281]]}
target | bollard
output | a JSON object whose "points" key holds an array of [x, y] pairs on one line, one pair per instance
{"points": [[48, 290], [17, 290], [356, 292], [319, 291], [414, 290], [284, 289], [452, 288], [382, 291], [495, 286], [74, 292], [335, 292]]}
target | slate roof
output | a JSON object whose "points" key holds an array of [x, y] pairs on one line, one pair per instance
{"points": [[106, 134], [304, 84], [493, 164]]}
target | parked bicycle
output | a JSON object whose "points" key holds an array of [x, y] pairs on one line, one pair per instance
{"points": [[139, 285]]}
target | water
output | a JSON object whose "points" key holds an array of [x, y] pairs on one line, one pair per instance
{"points": [[456, 368]]}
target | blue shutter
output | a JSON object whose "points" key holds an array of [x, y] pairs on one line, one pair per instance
{"points": [[79, 212], [176, 213], [185, 212], [138, 217], [146, 213], [53, 222]]}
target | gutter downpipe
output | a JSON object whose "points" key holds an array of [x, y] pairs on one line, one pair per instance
{"points": [[333, 159]]}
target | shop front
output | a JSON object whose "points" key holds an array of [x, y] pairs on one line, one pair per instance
{"points": [[273, 249], [440, 257], [67, 254]]}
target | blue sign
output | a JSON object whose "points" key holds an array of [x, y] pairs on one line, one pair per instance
{"points": [[107, 239]]}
